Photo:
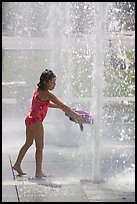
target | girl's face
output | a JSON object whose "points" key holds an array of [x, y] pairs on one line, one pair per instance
{"points": [[51, 84]]}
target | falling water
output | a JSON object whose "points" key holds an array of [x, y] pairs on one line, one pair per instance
{"points": [[98, 83], [49, 34]]}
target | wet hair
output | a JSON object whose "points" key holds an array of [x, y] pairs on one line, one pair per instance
{"points": [[46, 76]]}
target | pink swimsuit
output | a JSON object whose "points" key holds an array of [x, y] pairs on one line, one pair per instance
{"points": [[37, 111]]}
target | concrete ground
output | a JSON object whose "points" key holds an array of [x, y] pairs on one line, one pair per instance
{"points": [[67, 184], [71, 179]]}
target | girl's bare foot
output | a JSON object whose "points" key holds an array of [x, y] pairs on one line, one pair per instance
{"points": [[39, 175], [19, 170]]}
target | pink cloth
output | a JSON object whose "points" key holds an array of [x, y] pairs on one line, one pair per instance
{"points": [[37, 111], [87, 116]]}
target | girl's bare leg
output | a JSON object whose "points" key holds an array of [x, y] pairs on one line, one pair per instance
{"points": [[23, 150], [39, 141]]}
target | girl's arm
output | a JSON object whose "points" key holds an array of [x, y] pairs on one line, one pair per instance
{"points": [[53, 105], [56, 103]]}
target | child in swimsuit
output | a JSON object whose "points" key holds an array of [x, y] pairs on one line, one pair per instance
{"points": [[41, 101]]}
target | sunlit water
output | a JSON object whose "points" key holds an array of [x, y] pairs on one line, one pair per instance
{"points": [[79, 54]]}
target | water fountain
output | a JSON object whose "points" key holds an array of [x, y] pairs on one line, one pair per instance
{"points": [[83, 49]]}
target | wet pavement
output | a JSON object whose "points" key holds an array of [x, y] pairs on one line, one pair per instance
{"points": [[68, 183]]}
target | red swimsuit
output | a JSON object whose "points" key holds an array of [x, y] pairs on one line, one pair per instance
{"points": [[37, 111]]}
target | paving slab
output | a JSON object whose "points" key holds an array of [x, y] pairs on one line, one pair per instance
{"points": [[9, 188], [103, 193]]}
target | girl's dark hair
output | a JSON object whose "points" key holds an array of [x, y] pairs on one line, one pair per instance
{"points": [[46, 75]]}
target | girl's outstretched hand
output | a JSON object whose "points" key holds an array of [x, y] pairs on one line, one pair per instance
{"points": [[80, 119], [77, 118]]}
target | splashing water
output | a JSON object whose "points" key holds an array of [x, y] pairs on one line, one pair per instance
{"points": [[82, 42]]}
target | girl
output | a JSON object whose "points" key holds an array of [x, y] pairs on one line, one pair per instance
{"points": [[42, 99]]}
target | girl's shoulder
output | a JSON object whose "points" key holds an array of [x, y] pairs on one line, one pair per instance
{"points": [[43, 95], [50, 95]]}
